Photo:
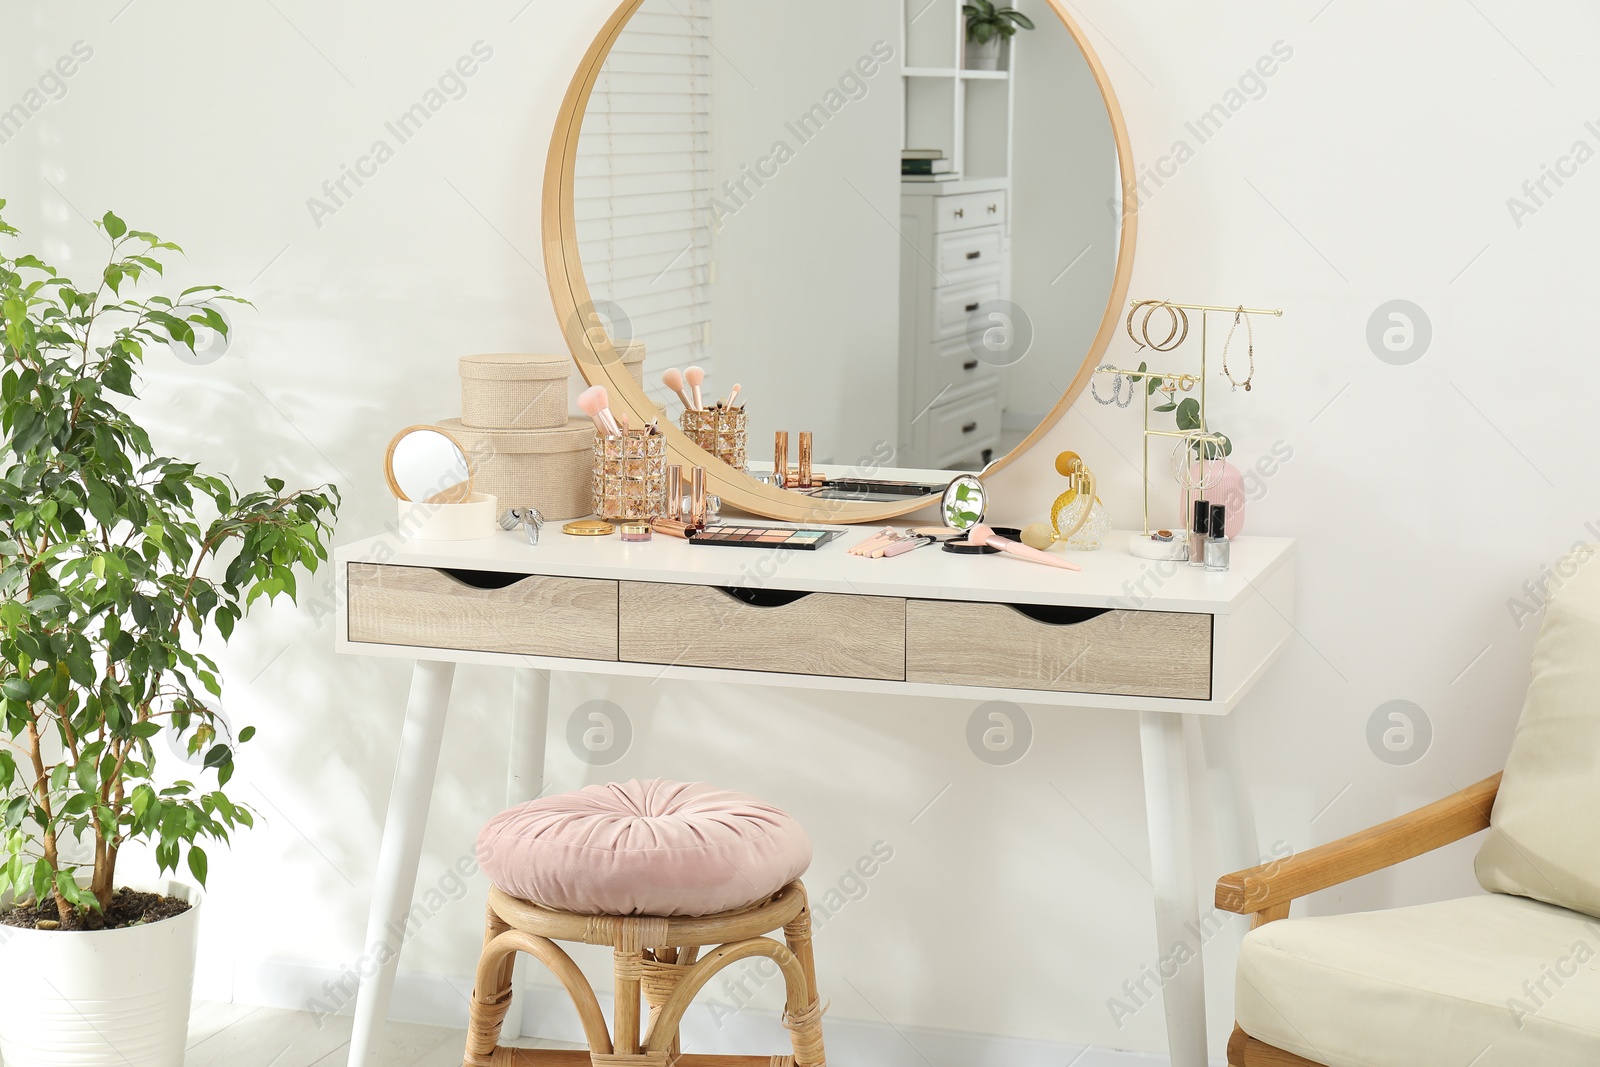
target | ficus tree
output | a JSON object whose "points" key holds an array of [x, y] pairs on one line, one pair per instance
{"points": [[116, 564]]}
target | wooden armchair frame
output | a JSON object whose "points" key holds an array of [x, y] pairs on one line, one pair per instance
{"points": [[1265, 892]]}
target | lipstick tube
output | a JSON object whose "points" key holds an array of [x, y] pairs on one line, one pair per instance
{"points": [[780, 458], [697, 496], [674, 491], [805, 459]]}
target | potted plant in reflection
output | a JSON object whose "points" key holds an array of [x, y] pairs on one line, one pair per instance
{"points": [[988, 29], [117, 564]]}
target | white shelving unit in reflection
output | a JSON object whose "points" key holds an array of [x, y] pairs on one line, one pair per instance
{"points": [[956, 257]]}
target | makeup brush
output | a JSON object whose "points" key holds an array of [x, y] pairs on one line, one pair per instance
{"points": [[590, 404], [605, 410], [673, 379], [696, 378], [593, 402], [734, 395], [982, 535]]}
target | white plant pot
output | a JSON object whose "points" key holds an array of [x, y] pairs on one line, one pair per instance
{"points": [[100, 998], [985, 56]]}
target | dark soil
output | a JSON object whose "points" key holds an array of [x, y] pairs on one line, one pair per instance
{"points": [[128, 908]]}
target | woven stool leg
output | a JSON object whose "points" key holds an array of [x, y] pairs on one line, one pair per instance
{"points": [[805, 1028], [491, 996]]}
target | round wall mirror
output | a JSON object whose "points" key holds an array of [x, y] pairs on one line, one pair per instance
{"points": [[426, 465], [907, 240]]}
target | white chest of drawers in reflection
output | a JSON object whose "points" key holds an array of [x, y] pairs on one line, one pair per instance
{"points": [[955, 284]]}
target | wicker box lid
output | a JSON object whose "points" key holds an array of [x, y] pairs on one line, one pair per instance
{"points": [[513, 366], [576, 435]]}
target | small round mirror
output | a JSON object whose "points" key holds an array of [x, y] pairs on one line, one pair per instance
{"points": [[426, 465], [964, 502]]}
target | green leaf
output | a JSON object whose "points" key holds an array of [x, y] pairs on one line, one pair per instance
{"points": [[1188, 416], [1167, 407], [114, 226], [197, 864]]}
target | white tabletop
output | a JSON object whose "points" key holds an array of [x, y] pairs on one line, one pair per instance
{"points": [[1111, 577]]}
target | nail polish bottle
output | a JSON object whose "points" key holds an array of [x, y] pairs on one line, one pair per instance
{"points": [[1197, 533], [1219, 550]]}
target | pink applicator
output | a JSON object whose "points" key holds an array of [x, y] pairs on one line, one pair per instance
{"points": [[596, 403], [696, 378], [734, 395], [673, 379], [982, 535]]}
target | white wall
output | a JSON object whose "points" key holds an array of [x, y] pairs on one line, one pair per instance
{"points": [[806, 293], [1375, 167]]}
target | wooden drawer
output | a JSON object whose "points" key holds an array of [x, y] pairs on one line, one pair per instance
{"points": [[965, 251], [763, 630], [1065, 650], [954, 305], [964, 427], [952, 370], [969, 211], [484, 611]]}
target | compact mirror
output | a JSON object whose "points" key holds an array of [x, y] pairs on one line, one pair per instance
{"points": [[964, 502], [913, 245], [426, 465]]}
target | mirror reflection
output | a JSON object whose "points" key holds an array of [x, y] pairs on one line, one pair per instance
{"points": [[426, 465], [876, 226]]}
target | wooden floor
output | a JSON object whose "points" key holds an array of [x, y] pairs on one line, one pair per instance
{"points": [[233, 1035]]}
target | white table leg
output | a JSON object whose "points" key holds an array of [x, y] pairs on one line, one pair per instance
{"points": [[395, 878], [530, 718], [1167, 803], [1230, 792]]}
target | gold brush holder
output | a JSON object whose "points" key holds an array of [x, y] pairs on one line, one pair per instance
{"points": [[630, 476], [721, 431]]}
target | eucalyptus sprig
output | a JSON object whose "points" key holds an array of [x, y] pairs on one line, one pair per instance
{"points": [[114, 564], [1186, 413], [985, 21]]}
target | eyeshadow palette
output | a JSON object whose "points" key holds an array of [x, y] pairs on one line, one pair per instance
{"points": [[764, 537]]}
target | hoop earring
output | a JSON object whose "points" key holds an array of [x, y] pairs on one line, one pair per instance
{"points": [[1180, 318], [1116, 389]]}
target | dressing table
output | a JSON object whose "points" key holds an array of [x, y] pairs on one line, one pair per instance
{"points": [[1186, 648], [928, 322]]}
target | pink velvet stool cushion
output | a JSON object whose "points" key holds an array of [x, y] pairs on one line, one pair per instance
{"points": [[644, 848]]}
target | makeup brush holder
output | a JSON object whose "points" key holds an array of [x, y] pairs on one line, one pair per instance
{"points": [[630, 476], [720, 431]]}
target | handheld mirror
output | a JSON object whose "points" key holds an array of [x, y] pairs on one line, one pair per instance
{"points": [[426, 465], [964, 501]]}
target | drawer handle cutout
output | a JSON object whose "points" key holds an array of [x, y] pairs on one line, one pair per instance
{"points": [[1056, 615], [974, 255], [974, 307], [485, 579], [970, 364], [763, 598], [970, 427]]}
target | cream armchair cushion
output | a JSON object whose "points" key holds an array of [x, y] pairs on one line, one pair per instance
{"points": [[1491, 981], [1544, 841]]}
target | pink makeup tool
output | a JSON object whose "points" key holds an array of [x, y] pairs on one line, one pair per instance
{"points": [[696, 378], [908, 544], [732, 396], [595, 403], [983, 535], [673, 379], [883, 537]]}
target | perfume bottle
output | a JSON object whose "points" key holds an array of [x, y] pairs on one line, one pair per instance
{"points": [[1219, 550], [1197, 533]]}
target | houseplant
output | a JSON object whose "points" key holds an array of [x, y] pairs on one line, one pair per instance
{"points": [[116, 563], [988, 28]]}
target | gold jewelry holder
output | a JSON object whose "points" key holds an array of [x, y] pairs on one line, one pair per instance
{"points": [[1174, 381]]}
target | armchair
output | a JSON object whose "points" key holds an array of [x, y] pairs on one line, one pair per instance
{"points": [[1507, 979]]}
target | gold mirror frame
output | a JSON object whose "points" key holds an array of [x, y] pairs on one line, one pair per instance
{"points": [[600, 365]]}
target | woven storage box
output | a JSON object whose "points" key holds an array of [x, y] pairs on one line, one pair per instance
{"points": [[632, 355], [552, 470], [514, 392]]}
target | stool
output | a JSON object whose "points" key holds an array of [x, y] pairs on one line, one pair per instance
{"points": [[650, 869]]}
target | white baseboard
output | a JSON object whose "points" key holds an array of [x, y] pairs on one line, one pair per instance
{"points": [[436, 1000]]}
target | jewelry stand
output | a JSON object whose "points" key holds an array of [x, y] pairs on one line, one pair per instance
{"points": [[1144, 545]]}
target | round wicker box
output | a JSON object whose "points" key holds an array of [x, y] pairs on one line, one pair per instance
{"points": [[512, 391], [632, 355], [552, 470]]}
